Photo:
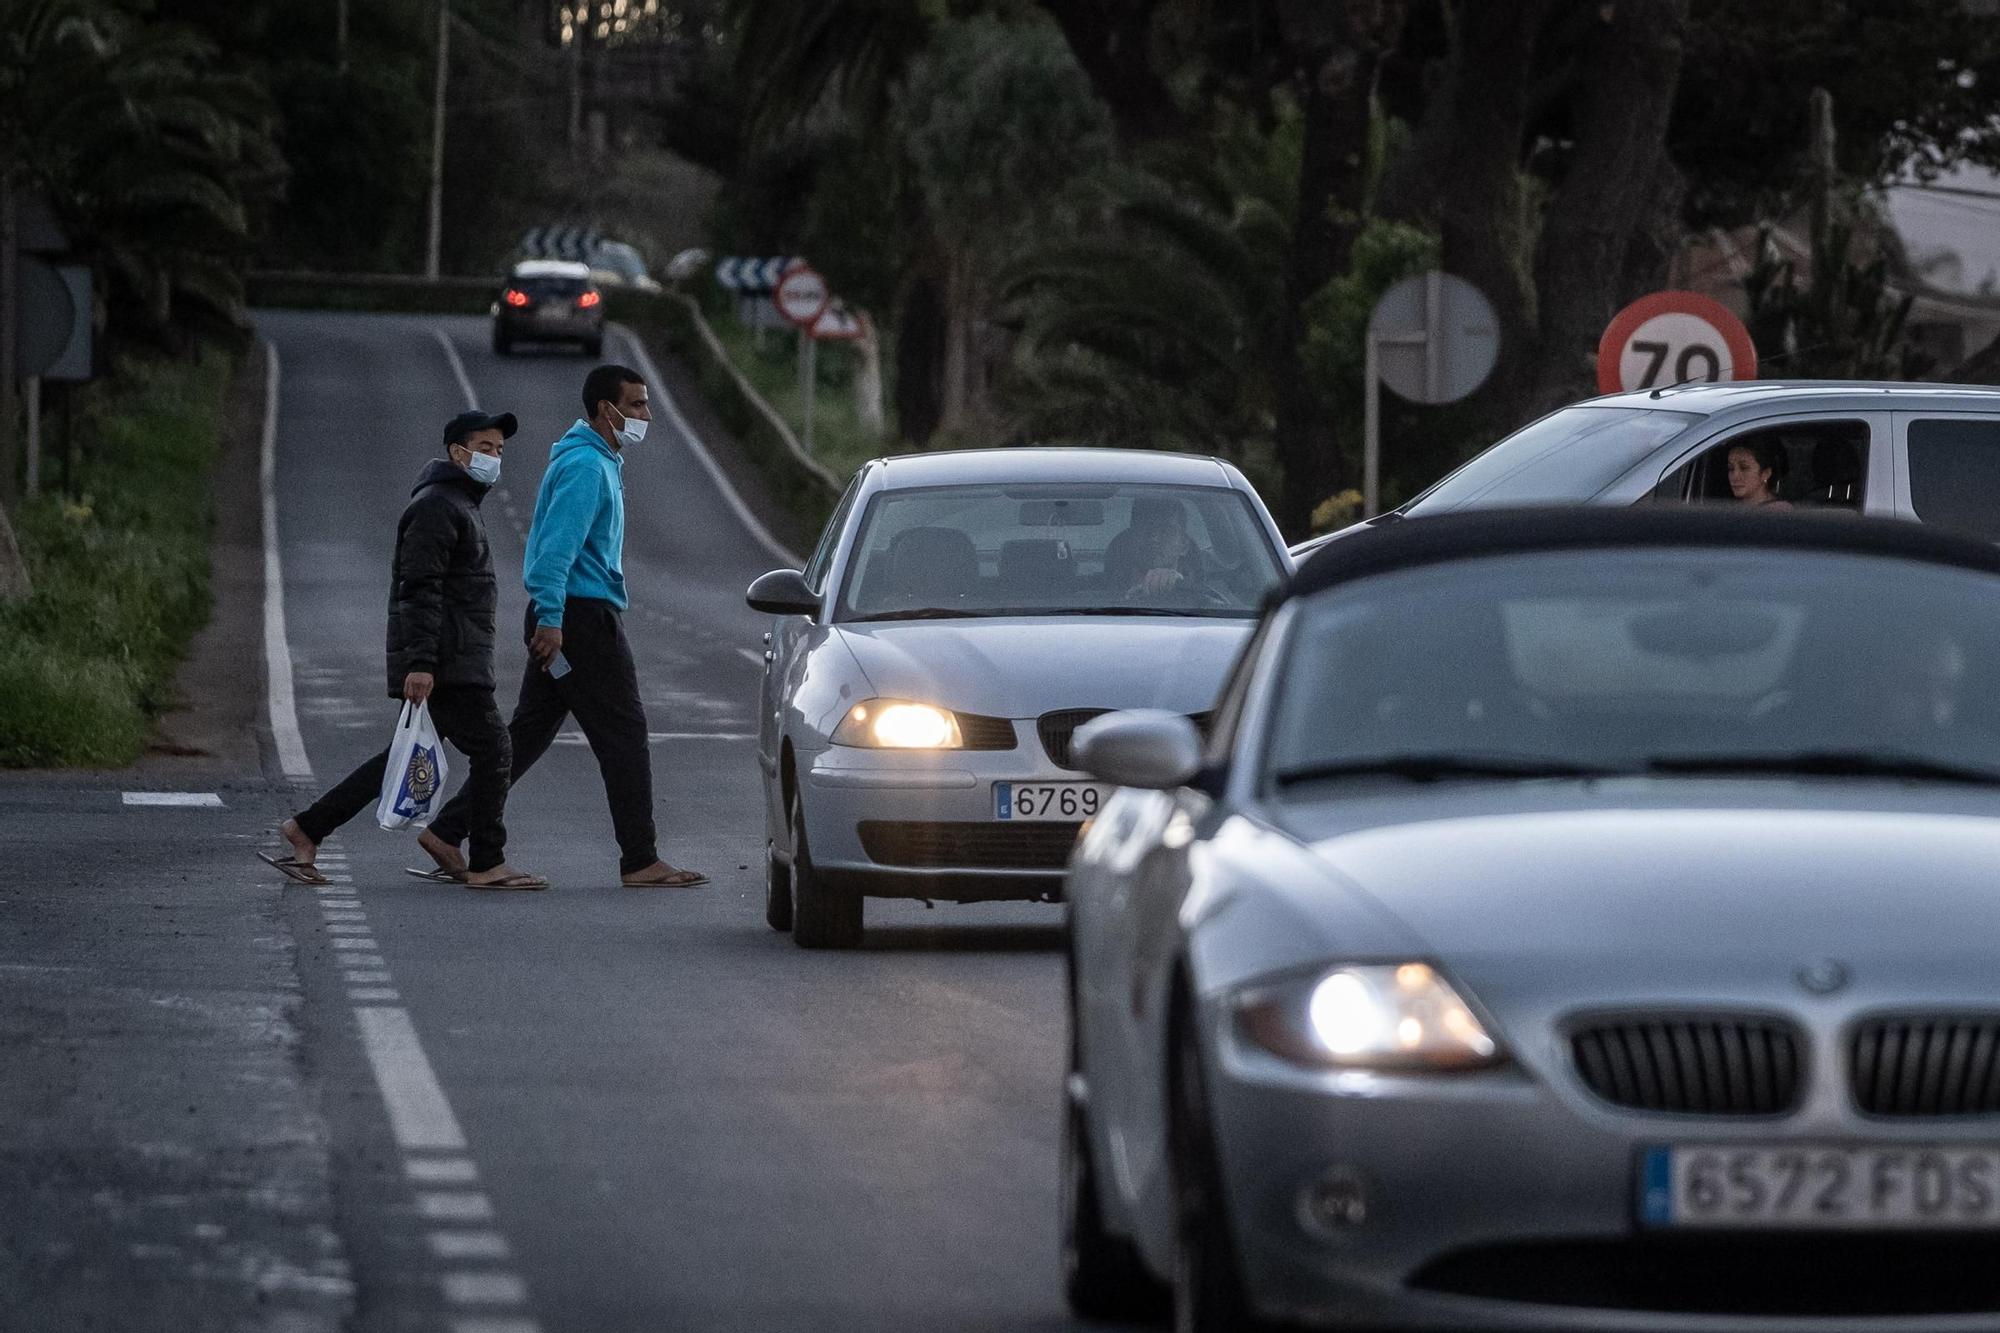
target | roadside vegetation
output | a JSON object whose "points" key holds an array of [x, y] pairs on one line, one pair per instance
{"points": [[120, 570]]}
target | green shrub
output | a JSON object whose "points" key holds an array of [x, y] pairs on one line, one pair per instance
{"points": [[121, 574]]}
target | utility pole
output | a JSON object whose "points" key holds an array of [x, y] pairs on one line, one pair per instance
{"points": [[579, 24], [340, 36], [437, 142]]}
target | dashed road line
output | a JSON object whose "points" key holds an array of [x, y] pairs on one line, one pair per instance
{"points": [[291, 745], [419, 1114]]}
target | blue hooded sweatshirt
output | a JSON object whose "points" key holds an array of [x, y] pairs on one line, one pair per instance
{"points": [[576, 545]]}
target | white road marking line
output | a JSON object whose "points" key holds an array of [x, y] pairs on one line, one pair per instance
{"points": [[373, 976], [374, 994], [468, 1245], [285, 733], [483, 1325], [755, 657], [419, 1114], [457, 366], [339, 879], [335, 910], [345, 943], [442, 1170], [455, 1205], [194, 800], [484, 1289], [365, 960], [749, 520], [339, 928]]}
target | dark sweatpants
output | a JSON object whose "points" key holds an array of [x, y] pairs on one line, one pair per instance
{"points": [[602, 692], [468, 718]]}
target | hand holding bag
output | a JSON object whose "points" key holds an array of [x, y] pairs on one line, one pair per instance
{"points": [[413, 782]]}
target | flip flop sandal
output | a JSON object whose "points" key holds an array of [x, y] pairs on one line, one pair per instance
{"points": [[680, 879], [510, 882], [438, 876], [293, 869]]}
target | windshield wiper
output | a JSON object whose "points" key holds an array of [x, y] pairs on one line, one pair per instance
{"points": [[1128, 611], [1829, 764], [1432, 767], [922, 613]]}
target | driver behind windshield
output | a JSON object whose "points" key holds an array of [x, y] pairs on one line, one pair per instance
{"points": [[1153, 555]]}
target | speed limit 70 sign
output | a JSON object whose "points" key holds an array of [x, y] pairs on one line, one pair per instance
{"points": [[1673, 338]]}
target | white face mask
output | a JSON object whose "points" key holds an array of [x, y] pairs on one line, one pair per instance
{"points": [[485, 468], [629, 434]]}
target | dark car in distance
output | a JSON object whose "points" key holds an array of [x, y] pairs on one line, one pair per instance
{"points": [[549, 300]]}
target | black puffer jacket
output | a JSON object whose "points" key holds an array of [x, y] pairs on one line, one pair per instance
{"points": [[441, 590]]}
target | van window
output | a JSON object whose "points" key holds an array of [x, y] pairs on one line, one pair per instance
{"points": [[1564, 458], [1824, 466], [1955, 475]]}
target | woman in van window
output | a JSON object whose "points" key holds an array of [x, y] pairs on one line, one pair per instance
{"points": [[1756, 470]]}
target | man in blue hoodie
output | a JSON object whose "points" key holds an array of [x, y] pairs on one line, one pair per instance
{"points": [[579, 662]]}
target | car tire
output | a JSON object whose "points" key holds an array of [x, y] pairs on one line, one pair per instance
{"points": [[1208, 1291], [777, 891], [594, 348], [502, 344], [823, 916]]}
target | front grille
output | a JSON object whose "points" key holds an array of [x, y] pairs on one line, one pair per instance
{"points": [[1926, 1066], [1698, 1065], [1058, 732], [985, 733], [983, 846], [1741, 1275]]}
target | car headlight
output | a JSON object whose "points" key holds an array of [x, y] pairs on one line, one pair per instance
{"points": [[894, 724], [1367, 1016]]}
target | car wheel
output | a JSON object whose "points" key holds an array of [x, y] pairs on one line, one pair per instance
{"points": [[823, 916], [502, 344], [1208, 1289], [777, 891], [594, 348], [1103, 1276]]}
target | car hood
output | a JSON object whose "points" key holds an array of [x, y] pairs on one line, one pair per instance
{"points": [[1637, 891], [1022, 668]]}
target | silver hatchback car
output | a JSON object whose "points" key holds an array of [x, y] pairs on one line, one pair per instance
{"points": [[1929, 452]]}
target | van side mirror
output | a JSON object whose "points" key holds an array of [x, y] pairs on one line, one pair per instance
{"points": [[1142, 748], [782, 592]]}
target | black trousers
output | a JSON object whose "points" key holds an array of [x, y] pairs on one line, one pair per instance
{"points": [[602, 692], [468, 718]]}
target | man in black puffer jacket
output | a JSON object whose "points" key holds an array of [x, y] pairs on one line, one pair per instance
{"points": [[441, 604]]}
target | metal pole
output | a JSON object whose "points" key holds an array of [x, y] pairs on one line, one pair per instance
{"points": [[34, 396], [340, 36], [1433, 336], [808, 380], [436, 238], [1371, 430]]}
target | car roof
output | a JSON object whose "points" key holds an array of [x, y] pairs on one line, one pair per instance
{"points": [[1497, 532], [550, 268], [1838, 395], [1050, 463]]}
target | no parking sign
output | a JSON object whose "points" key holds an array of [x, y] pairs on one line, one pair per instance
{"points": [[1673, 338]]}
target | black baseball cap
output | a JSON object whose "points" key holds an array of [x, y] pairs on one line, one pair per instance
{"points": [[465, 423]]}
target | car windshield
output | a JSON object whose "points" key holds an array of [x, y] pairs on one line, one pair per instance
{"points": [[1564, 458], [1058, 549], [1645, 661], [544, 287]]}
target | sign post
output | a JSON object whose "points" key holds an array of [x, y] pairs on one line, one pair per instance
{"points": [[1672, 338], [801, 297], [1433, 338]]}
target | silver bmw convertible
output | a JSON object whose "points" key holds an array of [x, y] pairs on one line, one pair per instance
{"points": [[963, 615], [1574, 920]]}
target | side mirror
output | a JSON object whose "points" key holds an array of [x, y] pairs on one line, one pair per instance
{"points": [[782, 592], [1146, 749]]}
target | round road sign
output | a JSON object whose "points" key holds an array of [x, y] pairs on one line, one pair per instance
{"points": [[1673, 338], [801, 296], [1435, 337]]}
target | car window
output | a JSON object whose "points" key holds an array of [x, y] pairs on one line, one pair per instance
{"points": [[1630, 659], [1955, 474], [1053, 548], [822, 557], [1821, 465], [1564, 458]]}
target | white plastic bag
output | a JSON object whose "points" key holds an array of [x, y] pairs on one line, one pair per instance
{"points": [[415, 777]]}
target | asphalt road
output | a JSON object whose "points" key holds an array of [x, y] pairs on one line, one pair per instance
{"points": [[677, 1119]]}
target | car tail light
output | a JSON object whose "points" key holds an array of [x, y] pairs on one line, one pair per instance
{"points": [[587, 300], [514, 297]]}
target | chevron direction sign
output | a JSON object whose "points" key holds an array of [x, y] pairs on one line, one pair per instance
{"points": [[560, 242], [752, 277]]}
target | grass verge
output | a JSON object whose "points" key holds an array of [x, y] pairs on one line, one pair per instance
{"points": [[121, 574]]}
